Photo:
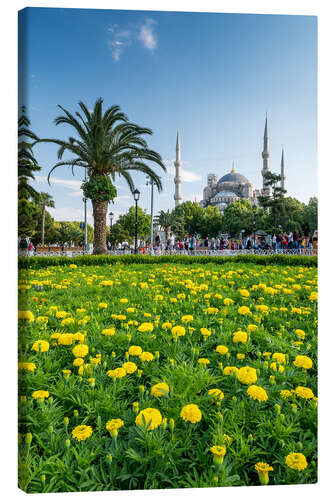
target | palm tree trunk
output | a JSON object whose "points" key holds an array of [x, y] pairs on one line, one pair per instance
{"points": [[43, 225], [100, 209]]}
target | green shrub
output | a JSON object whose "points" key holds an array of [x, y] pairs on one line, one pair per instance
{"points": [[92, 260]]}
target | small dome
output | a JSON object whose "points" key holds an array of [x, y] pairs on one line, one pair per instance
{"points": [[234, 177]]}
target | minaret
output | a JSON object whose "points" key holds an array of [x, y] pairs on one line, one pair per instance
{"points": [[283, 177], [265, 157], [233, 168], [178, 196]]}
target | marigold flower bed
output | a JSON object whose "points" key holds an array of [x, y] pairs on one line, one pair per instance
{"points": [[143, 376]]}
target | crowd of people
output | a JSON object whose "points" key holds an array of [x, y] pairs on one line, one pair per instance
{"points": [[191, 244]]}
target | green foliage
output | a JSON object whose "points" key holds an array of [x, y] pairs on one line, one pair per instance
{"points": [[28, 213], [211, 222], [99, 188], [92, 260], [126, 223], [310, 216], [187, 218], [27, 163]]}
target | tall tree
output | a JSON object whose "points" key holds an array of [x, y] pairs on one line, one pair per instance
{"points": [[27, 163], [45, 200], [127, 222], [106, 145], [164, 220], [187, 215]]}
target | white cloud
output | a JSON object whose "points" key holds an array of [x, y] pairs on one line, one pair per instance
{"points": [[186, 175], [70, 214], [147, 36], [122, 37], [73, 186]]}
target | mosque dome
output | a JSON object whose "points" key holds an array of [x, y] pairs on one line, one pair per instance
{"points": [[234, 177]]}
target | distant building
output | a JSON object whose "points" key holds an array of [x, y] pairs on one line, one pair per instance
{"points": [[235, 186]]}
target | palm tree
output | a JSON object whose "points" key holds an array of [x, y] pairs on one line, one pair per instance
{"points": [[164, 219], [27, 163], [45, 200], [107, 144]]}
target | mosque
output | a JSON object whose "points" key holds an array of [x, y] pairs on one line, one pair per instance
{"points": [[232, 186]]}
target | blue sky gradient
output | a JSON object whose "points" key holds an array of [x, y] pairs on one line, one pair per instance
{"points": [[213, 76]]}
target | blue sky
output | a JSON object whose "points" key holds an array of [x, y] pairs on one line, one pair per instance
{"points": [[213, 76]]}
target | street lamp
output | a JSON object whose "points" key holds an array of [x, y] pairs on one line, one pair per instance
{"points": [[111, 220], [254, 232], [136, 194], [85, 217], [150, 181]]}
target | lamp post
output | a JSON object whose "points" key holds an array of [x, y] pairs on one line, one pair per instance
{"points": [[136, 194], [150, 181], [254, 232], [111, 220]]}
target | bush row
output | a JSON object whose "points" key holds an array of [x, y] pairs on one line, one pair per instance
{"points": [[94, 260]]}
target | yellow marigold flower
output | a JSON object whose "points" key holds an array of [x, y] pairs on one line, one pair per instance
{"points": [[279, 357], [203, 361], [123, 301], [178, 331], [239, 337], [40, 346], [135, 350], [114, 425], [80, 310], [222, 349], [167, 325], [218, 453], [149, 418], [40, 395], [29, 367], [205, 332], [296, 461], [263, 469], [116, 373], [61, 314], [129, 367], [300, 333], [82, 432], [252, 328], [313, 296], [108, 332], [212, 310], [130, 309], [66, 373], [244, 293], [80, 350], [187, 318], [303, 362], [65, 339], [79, 336], [285, 394], [73, 266], [42, 319], [146, 327], [267, 354], [160, 389], [228, 302], [257, 393], [78, 361], [146, 356], [230, 370], [102, 305], [216, 394], [191, 413], [304, 392], [247, 375], [26, 316], [67, 321], [240, 355], [262, 308], [243, 311]]}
